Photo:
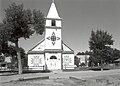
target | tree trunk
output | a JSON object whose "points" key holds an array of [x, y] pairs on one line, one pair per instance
{"points": [[101, 64], [18, 58]]}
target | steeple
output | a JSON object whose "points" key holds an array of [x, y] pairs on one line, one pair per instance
{"points": [[52, 13]]}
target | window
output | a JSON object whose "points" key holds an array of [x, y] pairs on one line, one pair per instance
{"points": [[53, 23], [53, 57]]}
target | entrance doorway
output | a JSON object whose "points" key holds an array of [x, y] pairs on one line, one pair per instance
{"points": [[53, 62]]}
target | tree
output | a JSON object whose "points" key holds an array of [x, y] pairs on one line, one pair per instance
{"points": [[115, 55], [12, 52], [77, 61], [3, 39], [2, 58], [22, 23], [99, 43]]}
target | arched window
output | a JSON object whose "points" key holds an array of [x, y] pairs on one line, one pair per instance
{"points": [[53, 23], [53, 57]]}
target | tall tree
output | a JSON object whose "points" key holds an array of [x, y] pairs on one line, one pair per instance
{"points": [[22, 23], [3, 38], [99, 42]]}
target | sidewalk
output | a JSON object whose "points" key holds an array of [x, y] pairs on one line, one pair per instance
{"points": [[76, 74]]}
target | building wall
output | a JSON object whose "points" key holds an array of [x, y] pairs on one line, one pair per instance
{"points": [[57, 42], [53, 64], [84, 59], [58, 23], [68, 61], [36, 61]]}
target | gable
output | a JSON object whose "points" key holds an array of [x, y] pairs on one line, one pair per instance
{"points": [[66, 48], [40, 46]]}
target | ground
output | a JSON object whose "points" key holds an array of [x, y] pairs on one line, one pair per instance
{"points": [[79, 78]]}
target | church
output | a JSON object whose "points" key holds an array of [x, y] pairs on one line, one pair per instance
{"points": [[51, 52]]}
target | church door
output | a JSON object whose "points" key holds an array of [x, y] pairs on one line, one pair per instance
{"points": [[53, 62]]}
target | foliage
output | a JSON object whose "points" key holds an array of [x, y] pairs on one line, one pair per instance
{"points": [[13, 53], [4, 34], [84, 53], [38, 22], [2, 58], [17, 19], [99, 43], [115, 54], [22, 23], [77, 61]]}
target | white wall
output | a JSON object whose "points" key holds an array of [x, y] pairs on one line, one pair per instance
{"points": [[68, 59], [40, 47], [56, 62], [48, 43], [58, 23], [49, 23], [36, 60], [83, 58]]}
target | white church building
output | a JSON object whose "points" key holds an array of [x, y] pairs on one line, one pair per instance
{"points": [[51, 53]]}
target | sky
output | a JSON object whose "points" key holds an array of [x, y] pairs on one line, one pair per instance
{"points": [[79, 17]]}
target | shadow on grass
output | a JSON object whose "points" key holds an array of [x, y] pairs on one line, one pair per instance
{"points": [[7, 72], [85, 69], [36, 71], [97, 68], [15, 72]]}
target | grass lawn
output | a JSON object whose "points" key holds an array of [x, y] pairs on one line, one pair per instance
{"points": [[106, 78], [111, 80]]}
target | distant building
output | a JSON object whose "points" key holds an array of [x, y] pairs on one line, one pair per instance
{"points": [[51, 52], [8, 59], [84, 59]]}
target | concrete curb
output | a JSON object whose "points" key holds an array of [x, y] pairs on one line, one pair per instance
{"points": [[33, 78], [25, 79], [74, 78]]}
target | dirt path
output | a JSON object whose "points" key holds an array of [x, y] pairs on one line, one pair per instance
{"points": [[82, 78]]}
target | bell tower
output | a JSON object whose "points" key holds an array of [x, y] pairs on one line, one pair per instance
{"points": [[53, 29]]}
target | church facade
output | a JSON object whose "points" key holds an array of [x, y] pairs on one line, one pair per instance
{"points": [[51, 53]]}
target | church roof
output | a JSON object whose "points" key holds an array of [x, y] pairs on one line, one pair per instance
{"points": [[66, 49], [52, 13], [40, 49]]}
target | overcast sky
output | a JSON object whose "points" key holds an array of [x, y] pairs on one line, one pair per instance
{"points": [[79, 18]]}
